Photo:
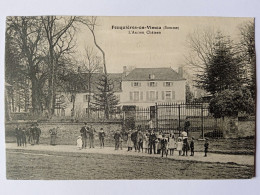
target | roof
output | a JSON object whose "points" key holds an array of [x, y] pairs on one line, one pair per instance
{"points": [[160, 74], [116, 79]]}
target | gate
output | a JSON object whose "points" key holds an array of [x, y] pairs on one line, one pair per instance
{"points": [[171, 118]]}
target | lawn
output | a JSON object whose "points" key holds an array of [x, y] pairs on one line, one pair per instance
{"points": [[35, 165]]}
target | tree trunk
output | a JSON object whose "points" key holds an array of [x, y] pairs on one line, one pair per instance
{"points": [[36, 96]]}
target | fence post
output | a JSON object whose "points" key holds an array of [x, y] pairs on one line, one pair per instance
{"points": [[179, 112], [156, 116], [202, 122]]}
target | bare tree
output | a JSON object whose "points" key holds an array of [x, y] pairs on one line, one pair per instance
{"points": [[201, 46], [91, 63], [91, 23], [59, 37], [27, 36]]}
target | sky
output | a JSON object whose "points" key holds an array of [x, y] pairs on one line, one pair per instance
{"points": [[150, 50]]}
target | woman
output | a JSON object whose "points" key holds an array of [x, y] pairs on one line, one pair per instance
{"points": [[129, 142]]}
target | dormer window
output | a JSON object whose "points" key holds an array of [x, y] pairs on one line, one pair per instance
{"points": [[151, 76], [152, 84], [168, 84]]}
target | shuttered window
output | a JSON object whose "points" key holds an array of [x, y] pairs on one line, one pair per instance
{"points": [[173, 95], [162, 95], [131, 96]]}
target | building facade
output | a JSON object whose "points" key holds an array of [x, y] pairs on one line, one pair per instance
{"points": [[143, 87]]}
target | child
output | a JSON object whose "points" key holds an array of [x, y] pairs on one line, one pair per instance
{"points": [[129, 142], [145, 143], [206, 147], [79, 143], [171, 144], [164, 145], [179, 145], [185, 146], [192, 147]]}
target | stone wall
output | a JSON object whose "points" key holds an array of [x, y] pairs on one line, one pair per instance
{"points": [[67, 132]]}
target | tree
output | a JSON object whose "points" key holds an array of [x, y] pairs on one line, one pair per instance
{"points": [[228, 103], [26, 37], [201, 44], [247, 49], [105, 96], [91, 63], [223, 69], [91, 23], [189, 94], [59, 34]]}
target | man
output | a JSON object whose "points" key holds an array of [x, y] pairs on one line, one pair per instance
{"points": [[101, 137], [84, 131], [187, 126], [117, 137], [152, 138], [37, 133], [91, 136], [134, 139], [140, 140], [18, 134]]}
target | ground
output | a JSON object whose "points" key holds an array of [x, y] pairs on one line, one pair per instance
{"points": [[50, 164]]}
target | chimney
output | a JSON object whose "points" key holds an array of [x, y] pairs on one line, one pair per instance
{"points": [[125, 71], [180, 71]]}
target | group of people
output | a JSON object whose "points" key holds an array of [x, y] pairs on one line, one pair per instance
{"points": [[31, 134], [88, 134], [159, 143]]}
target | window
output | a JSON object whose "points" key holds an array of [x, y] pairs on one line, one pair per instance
{"points": [[168, 95], [168, 84], [136, 84], [136, 95], [152, 84], [151, 76], [152, 95]]}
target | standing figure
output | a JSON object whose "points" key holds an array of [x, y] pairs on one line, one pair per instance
{"points": [[23, 137], [117, 137], [37, 133], [179, 145], [129, 142], [101, 136], [145, 143], [140, 140], [79, 142], [164, 146], [152, 140], [53, 133], [158, 143], [192, 147], [171, 144], [33, 134], [187, 126], [206, 147], [134, 140], [185, 146], [91, 137], [18, 135], [83, 132]]}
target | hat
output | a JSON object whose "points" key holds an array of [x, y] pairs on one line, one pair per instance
{"points": [[79, 136]]}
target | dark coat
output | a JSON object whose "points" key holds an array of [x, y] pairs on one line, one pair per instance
{"points": [[83, 132]]}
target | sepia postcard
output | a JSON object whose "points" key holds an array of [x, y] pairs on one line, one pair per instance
{"points": [[130, 98]]}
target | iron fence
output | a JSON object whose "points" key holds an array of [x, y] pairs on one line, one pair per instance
{"points": [[174, 118]]}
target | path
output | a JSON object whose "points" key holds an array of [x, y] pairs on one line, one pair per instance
{"points": [[212, 157]]}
